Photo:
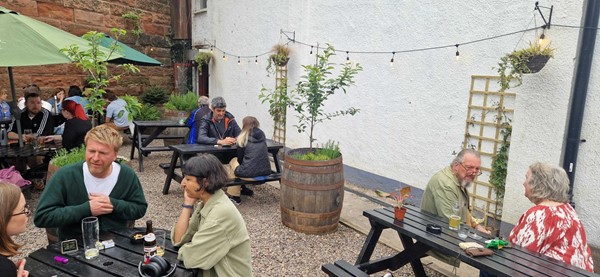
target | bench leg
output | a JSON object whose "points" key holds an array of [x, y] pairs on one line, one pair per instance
{"points": [[370, 243], [174, 159], [416, 264]]}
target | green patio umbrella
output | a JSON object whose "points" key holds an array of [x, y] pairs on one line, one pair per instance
{"points": [[25, 41], [130, 55]]}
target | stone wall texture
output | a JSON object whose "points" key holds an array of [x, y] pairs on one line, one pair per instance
{"points": [[81, 16]]}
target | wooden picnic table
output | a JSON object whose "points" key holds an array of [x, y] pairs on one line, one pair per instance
{"points": [[513, 261], [147, 131], [183, 152], [121, 260]]}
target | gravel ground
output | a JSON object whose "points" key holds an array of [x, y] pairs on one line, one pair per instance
{"points": [[276, 249]]}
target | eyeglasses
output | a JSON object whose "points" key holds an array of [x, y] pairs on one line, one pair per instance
{"points": [[25, 211], [471, 169]]}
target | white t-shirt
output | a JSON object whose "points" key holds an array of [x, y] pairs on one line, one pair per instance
{"points": [[101, 185]]}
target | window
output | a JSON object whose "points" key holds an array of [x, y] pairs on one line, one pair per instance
{"points": [[200, 6]]}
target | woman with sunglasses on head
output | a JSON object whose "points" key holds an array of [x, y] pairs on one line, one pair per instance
{"points": [[213, 237], [13, 221]]}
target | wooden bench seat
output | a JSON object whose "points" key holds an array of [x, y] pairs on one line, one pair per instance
{"points": [[274, 176], [342, 268]]}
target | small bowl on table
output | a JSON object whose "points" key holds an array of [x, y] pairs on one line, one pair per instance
{"points": [[137, 238]]}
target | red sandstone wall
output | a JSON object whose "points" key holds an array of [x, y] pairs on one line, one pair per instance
{"points": [[81, 16]]}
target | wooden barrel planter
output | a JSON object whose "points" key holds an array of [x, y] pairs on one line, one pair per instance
{"points": [[312, 194]]}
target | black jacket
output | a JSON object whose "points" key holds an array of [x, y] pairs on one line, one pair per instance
{"points": [[208, 134], [254, 158], [75, 131]]}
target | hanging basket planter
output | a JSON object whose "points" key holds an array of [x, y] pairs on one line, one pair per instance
{"points": [[281, 61], [536, 63]]}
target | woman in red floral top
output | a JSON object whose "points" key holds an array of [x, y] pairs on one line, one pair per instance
{"points": [[551, 227]]}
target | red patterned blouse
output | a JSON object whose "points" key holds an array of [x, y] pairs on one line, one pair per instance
{"points": [[555, 232]]}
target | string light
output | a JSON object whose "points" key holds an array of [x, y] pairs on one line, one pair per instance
{"points": [[311, 48], [223, 55], [392, 60], [457, 53], [238, 59], [256, 59], [347, 57], [542, 37], [211, 49]]}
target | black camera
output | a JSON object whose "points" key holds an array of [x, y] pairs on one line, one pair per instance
{"points": [[157, 267]]}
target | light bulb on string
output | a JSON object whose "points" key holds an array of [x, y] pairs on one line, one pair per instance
{"points": [[311, 50], [392, 60], [256, 60], [347, 58], [542, 37], [223, 55], [457, 53], [211, 49], [239, 60]]}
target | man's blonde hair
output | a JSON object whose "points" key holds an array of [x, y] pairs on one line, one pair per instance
{"points": [[105, 135]]}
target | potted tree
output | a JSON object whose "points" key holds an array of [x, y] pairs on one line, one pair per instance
{"points": [[310, 172], [95, 63], [529, 60], [399, 196], [280, 56], [202, 58]]}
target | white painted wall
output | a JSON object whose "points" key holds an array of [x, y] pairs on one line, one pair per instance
{"points": [[418, 107]]}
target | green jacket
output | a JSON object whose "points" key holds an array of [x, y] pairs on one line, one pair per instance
{"points": [[216, 240], [441, 193], [65, 202]]}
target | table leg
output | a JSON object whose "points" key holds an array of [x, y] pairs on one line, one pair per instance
{"points": [[174, 159], [370, 243], [276, 161], [416, 264], [139, 147], [133, 142]]}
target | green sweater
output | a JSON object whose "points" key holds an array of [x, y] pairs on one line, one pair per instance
{"points": [[64, 202], [216, 240]]}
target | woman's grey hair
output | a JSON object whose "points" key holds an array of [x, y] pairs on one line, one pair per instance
{"points": [[460, 157], [209, 167], [218, 102], [203, 100], [548, 182]]}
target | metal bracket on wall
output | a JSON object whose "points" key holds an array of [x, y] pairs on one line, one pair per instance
{"points": [[546, 23]]}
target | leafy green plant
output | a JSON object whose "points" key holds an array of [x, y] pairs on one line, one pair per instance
{"points": [[278, 100], [329, 150], [135, 19], [133, 106], [500, 162], [280, 57], [182, 102], [512, 66], [147, 113], [314, 88], [154, 95], [400, 195], [94, 62], [202, 58], [65, 157]]}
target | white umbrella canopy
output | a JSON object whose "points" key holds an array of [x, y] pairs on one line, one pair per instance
{"points": [[25, 41]]}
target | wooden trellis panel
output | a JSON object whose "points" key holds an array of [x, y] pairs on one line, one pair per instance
{"points": [[488, 109], [279, 125]]}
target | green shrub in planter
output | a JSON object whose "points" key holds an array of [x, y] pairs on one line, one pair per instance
{"points": [[64, 157], [154, 95], [182, 102], [147, 113]]}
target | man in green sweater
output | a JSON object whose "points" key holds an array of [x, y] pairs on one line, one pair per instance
{"points": [[449, 187], [98, 187]]}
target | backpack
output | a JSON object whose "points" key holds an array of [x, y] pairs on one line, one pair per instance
{"points": [[13, 176]]}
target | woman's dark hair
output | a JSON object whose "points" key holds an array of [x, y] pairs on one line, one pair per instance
{"points": [[209, 167], [10, 195], [75, 91]]}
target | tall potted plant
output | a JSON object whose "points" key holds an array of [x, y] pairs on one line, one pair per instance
{"points": [[310, 171], [95, 63]]}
